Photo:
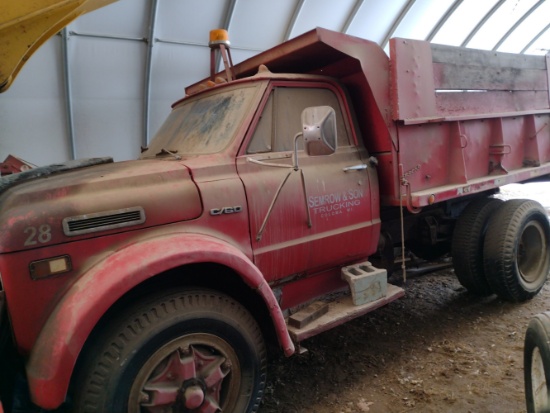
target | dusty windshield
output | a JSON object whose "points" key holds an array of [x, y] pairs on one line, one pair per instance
{"points": [[203, 125]]}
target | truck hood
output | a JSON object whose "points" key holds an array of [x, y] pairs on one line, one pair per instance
{"points": [[58, 207]]}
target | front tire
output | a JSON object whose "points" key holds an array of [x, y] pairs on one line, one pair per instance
{"points": [[536, 364], [195, 350], [517, 250]]}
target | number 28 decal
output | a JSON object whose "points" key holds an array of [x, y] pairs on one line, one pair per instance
{"points": [[38, 235]]}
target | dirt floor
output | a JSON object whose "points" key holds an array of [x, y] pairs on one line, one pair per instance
{"points": [[438, 349]]}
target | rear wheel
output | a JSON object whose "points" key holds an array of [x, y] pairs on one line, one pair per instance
{"points": [[536, 363], [517, 250], [467, 245], [192, 351]]}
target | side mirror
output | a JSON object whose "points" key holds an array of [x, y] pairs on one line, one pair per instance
{"points": [[319, 130]]}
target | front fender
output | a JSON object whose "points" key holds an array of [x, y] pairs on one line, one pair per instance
{"points": [[54, 354]]}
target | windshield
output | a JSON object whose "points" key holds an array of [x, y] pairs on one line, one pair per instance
{"points": [[203, 125]]}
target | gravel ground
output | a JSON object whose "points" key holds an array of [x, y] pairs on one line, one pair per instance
{"points": [[438, 349]]}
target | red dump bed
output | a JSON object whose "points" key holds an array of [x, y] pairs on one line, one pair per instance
{"points": [[443, 121]]}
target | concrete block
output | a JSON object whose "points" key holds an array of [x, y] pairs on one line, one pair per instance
{"points": [[367, 283]]}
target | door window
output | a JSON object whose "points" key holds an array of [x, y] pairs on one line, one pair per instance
{"points": [[281, 118]]}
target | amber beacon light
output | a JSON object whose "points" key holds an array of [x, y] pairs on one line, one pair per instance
{"points": [[217, 37], [219, 40]]}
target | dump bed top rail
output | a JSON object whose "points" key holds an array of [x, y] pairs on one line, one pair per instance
{"points": [[430, 82]]}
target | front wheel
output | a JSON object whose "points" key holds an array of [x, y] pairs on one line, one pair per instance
{"points": [[192, 351]]}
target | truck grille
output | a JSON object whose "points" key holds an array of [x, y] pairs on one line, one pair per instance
{"points": [[103, 221]]}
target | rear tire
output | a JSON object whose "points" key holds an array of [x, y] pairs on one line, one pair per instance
{"points": [[517, 250], [467, 245], [536, 364], [194, 350]]}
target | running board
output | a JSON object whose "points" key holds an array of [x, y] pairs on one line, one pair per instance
{"points": [[340, 311]]}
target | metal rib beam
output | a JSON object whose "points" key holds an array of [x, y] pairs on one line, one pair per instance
{"points": [[482, 22], [396, 23], [226, 23], [352, 16], [107, 36], [516, 25], [68, 91], [535, 39], [229, 14], [293, 19], [444, 19], [148, 72]]}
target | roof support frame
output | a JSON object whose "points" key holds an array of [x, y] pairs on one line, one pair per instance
{"points": [[444, 19], [107, 36], [352, 15], [396, 23], [148, 73], [516, 25], [67, 83], [487, 16], [535, 39], [225, 25], [293, 19]]}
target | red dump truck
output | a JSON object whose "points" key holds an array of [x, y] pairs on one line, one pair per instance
{"points": [[255, 218]]}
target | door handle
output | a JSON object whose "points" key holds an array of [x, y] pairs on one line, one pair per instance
{"points": [[359, 167]]}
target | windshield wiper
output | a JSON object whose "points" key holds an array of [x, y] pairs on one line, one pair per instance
{"points": [[164, 151]]}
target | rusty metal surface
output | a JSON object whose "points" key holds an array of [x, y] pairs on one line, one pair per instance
{"points": [[13, 165], [86, 301], [338, 201], [32, 213], [468, 156], [466, 141], [341, 311], [412, 83], [27, 175]]}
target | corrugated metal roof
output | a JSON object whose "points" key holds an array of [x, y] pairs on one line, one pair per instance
{"points": [[105, 86]]}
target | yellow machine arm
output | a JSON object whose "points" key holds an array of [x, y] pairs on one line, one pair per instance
{"points": [[26, 24]]}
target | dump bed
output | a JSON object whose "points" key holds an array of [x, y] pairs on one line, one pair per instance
{"points": [[443, 121], [467, 120]]}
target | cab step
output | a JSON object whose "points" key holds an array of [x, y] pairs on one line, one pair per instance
{"points": [[340, 311]]}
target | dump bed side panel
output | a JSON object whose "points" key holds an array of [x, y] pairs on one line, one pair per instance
{"points": [[467, 120]]}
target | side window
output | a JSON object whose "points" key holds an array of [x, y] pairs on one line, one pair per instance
{"points": [[263, 135], [281, 118]]}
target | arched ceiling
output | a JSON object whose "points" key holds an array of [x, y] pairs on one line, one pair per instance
{"points": [[105, 84]]}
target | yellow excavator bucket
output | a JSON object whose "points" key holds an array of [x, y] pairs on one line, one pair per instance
{"points": [[26, 24]]}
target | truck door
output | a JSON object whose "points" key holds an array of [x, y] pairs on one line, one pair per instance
{"points": [[338, 201]]}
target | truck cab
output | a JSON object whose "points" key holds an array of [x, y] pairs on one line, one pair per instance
{"points": [[228, 177]]}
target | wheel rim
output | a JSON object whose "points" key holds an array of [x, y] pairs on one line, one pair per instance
{"points": [[532, 258], [194, 373], [538, 381]]}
